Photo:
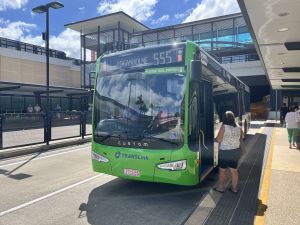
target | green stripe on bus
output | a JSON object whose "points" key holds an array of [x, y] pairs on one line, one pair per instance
{"points": [[164, 70]]}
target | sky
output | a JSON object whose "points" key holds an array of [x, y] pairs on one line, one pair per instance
{"points": [[18, 22]]}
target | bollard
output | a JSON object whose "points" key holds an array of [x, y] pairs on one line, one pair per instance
{"points": [[49, 127], [83, 125], [1, 132], [45, 128]]}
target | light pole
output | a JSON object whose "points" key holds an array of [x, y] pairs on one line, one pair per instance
{"points": [[45, 9]]}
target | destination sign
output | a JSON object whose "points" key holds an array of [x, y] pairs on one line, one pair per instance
{"points": [[148, 57]]}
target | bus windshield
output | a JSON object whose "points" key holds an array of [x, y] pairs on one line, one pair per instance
{"points": [[140, 109]]}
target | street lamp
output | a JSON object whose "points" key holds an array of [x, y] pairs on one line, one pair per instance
{"points": [[45, 9]]}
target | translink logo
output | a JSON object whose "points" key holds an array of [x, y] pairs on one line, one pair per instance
{"points": [[130, 156]]}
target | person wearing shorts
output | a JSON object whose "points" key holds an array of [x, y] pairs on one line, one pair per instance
{"points": [[229, 138], [291, 126]]}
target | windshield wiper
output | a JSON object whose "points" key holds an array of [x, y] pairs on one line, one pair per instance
{"points": [[135, 137], [104, 136], [164, 140]]}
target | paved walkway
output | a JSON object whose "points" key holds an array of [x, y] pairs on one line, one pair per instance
{"points": [[280, 188]]}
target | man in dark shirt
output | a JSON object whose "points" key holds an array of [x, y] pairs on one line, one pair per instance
{"points": [[283, 112]]}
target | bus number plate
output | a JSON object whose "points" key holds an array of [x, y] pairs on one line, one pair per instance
{"points": [[132, 173]]}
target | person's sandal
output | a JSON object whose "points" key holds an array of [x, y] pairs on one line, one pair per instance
{"points": [[215, 189], [234, 192]]}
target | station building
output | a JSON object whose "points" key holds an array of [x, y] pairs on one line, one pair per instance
{"points": [[226, 38], [23, 79]]}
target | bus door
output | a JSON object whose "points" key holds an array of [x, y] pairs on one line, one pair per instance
{"points": [[206, 124]]}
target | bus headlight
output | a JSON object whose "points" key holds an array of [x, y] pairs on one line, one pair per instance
{"points": [[176, 165], [98, 157]]}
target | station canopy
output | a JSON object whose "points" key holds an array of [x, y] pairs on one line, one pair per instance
{"points": [[107, 22], [31, 89], [275, 29]]}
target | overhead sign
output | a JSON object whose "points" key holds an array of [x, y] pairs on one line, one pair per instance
{"points": [[147, 57]]}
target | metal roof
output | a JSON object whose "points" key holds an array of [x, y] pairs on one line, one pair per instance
{"points": [[275, 30], [12, 88], [107, 22], [203, 21]]}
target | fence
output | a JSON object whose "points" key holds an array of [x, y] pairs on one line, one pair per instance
{"points": [[23, 129]]}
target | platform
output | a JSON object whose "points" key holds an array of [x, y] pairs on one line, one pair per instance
{"points": [[268, 168]]}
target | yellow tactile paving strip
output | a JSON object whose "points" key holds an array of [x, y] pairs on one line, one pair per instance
{"points": [[280, 195], [260, 218]]}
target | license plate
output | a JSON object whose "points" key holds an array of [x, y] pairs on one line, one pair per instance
{"points": [[132, 173]]}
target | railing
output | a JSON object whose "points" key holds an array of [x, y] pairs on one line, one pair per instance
{"points": [[25, 47], [23, 129], [238, 58], [35, 49]]}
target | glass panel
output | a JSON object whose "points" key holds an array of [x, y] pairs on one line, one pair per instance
{"points": [[17, 104], [5, 104], [64, 104], [25, 128], [76, 104], [55, 104]]}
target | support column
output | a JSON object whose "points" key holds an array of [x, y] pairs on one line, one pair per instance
{"points": [[212, 36], [84, 62], [119, 46], [114, 40], [233, 32], [98, 43]]}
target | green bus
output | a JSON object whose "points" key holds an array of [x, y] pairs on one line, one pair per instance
{"points": [[156, 110]]}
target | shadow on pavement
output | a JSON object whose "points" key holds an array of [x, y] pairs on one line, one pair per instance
{"points": [[23, 164], [132, 202], [19, 176]]}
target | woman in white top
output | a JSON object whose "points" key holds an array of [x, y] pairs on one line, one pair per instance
{"points": [[291, 125], [229, 139]]}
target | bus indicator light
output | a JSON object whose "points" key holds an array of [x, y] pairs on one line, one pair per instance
{"points": [[179, 58], [98, 157]]}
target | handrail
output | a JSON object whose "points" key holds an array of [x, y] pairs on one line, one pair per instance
{"points": [[35, 49]]}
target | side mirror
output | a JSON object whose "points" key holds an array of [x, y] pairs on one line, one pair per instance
{"points": [[195, 71]]}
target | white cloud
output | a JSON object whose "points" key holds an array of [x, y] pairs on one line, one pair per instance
{"points": [[12, 4], [81, 8], [3, 21], [180, 16], [35, 40], [213, 8], [15, 30], [67, 41], [161, 19], [141, 10]]}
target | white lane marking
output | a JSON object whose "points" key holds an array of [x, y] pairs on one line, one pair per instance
{"points": [[48, 195], [47, 156]]}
